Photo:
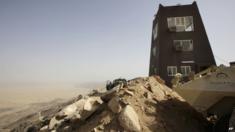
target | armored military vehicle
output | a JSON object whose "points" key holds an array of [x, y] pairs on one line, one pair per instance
{"points": [[211, 92]]}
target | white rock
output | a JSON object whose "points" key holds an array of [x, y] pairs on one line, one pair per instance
{"points": [[75, 107], [129, 120], [60, 115], [74, 117], [81, 109], [129, 92], [114, 105], [156, 89], [92, 103], [90, 106], [54, 123], [44, 129]]}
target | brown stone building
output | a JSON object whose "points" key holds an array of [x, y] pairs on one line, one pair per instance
{"points": [[179, 42]]}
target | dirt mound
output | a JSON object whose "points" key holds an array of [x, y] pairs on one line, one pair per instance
{"points": [[144, 104]]}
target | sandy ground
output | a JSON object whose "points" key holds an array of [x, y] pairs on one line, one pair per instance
{"points": [[17, 101]]}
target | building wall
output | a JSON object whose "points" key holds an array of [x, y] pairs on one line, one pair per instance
{"points": [[165, 53]]}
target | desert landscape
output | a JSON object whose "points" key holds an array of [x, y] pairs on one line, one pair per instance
{"points": [[20, 100]]}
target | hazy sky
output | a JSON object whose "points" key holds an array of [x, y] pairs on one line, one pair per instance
{"points": [[93, 40]]}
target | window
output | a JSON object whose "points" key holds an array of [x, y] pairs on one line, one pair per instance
{"points": [[155, 31], [180, 24], [155, 70], [183, 45], [188, 61], [185, 70], [171, 70], [154, 51], [179, 21]]}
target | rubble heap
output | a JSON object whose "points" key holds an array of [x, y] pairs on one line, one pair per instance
{"points": [[144, 104]]}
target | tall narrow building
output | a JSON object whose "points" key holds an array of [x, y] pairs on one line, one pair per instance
{"points": [[179, 42]]}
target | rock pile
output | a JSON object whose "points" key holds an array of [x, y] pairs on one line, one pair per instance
{"points": [[145, 104]]}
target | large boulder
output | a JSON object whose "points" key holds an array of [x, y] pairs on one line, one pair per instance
{"points": [[129, 119], [90, 106]]}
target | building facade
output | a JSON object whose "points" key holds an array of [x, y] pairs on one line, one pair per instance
{"points": [[179, 42]]}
